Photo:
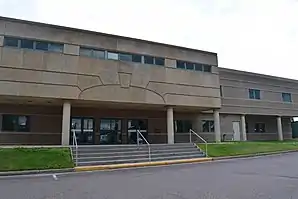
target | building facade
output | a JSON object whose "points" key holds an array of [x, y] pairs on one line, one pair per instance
{"points": [[56, 81]]}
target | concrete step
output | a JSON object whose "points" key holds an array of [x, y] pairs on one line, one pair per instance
{"points": [[122, 161], [143, 156], [136, 152], [132, 148]]}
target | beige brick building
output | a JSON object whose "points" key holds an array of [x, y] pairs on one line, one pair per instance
{"points": [[57, 80]]}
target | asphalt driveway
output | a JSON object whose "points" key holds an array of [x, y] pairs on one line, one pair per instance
{"points": [[274, 177]]}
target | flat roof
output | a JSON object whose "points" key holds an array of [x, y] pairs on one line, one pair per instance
{"points": [[100, 33]]}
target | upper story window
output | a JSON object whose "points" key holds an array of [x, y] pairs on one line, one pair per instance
{"points": [[15, 123], [33, 44], [113, 56], [11, 41], [148, 60], [254, 94], [193, 66], [137, 58], [220, 90], [125, 57], [159, 61], [286, 97], [26, 43], [99, 54]]}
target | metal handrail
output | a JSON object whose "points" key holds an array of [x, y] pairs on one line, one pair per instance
{"points": [[75, 144], [190, 140], [149, 147]]}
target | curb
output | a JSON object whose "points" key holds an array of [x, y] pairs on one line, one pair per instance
{"points": [[141, 164], [254, 155], [35, 172]]}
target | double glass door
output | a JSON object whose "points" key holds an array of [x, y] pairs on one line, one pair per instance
{"points": [[110, 131], [132, 126], [84, 130]]}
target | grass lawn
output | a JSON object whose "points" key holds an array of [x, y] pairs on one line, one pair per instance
{"points": [[17, 159], [245, 148]]}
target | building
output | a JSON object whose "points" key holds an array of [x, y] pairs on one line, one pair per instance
{"points": [[57, 80]]}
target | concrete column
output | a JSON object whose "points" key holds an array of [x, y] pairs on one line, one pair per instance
{"points": [[279, 128], [243, 128], [216, 125], [66, 123], [170, 125]]}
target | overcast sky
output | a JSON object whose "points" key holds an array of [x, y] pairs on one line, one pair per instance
{"points": [[252, 35]]}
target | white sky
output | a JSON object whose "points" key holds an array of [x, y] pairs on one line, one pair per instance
{"points": [[251, 35]]}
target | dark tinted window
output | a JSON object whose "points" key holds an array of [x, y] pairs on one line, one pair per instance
{"points": [[207, 68], [10, 41], [125, 57], [260, 128], [183, 126], [254, 94], [189, 66], [56, 47], [159, 61], [180, 64], [15, 123], [40, 45], [25, 43], [198, 67], [137, 58], [148, 59], [86, 52], [286, 97], [208, 125]]}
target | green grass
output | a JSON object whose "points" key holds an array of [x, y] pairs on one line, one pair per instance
{"points": [[18, 159], [246, 148]]}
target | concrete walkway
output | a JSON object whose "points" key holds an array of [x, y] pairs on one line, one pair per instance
{"points": [[272, 177]]}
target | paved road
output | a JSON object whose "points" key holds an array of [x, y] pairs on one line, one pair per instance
{"points": [[274, 177]]}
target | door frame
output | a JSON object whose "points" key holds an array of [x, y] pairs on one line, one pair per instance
{"points": [[234, 133], [127, 134], [82, 118]]}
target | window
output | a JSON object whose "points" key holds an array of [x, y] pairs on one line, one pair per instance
{"points": [[207, 68], [17, 123], [40, 45], [125, 57], [254, 94], [220, 90], [180, 64], [137, 58], [56, 47], [159, 61], [286, 97], [148, 60], [86, 52], [183, 126], [208, 125], [99, 54], [189, 66], [25, 43], [260, 128], [10, 41], [113, 56], [198, 67]]}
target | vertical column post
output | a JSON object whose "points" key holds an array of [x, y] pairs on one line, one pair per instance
{"points": [[170, 125], [243, 128], [216, 125], [66, 123], [279, 128]]}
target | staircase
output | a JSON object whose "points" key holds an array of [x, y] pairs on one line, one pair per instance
{"points": [[120, 154]]}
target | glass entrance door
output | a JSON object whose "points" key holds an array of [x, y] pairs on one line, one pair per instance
{"points": [[110, 131], [132, 126], [84, 130]]}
